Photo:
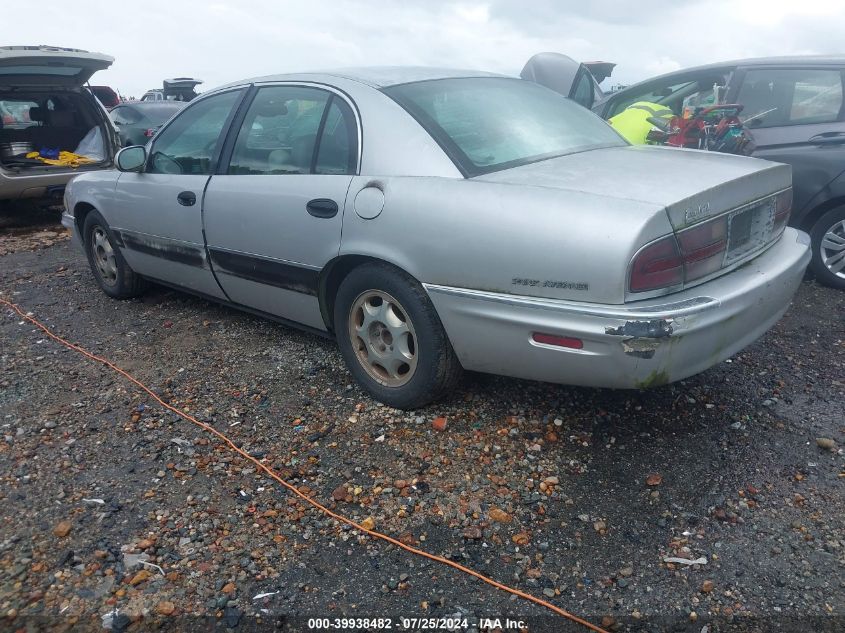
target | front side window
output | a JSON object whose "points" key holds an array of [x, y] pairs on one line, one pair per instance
{"points": [[295, 130], [791, 96], [487, 124], [187, 145]]}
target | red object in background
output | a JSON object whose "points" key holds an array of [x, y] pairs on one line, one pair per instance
{"points": [[688, 132], [107, 96]]}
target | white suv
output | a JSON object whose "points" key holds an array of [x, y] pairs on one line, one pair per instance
{"points": [[45, 108]]}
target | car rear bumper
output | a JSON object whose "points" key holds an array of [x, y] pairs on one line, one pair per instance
{"points": [[634, 345], [42, 186]]}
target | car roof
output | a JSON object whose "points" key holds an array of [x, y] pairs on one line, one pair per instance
{"points": [[786, 60], [378, 76], [155, 105]]}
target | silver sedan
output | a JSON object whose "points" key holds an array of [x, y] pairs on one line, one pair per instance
{"points": [[434, 221]]}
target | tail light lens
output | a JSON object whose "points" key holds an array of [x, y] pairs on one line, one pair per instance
{"points": [[657, 266], [783, 207], [703, 248], [149, 133]]}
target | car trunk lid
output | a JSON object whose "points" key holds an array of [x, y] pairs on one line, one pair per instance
{"points": [[697, 189], [49, 66]]}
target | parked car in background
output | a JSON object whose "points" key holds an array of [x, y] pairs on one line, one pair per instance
{"points": [[178, 89], [432, 220], [45, 105], [136, 122], [576, 80], [795, 111], [107, 96]]}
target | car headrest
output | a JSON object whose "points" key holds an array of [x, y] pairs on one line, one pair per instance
{"points": [[36, 113], [61, 118], [271, 108]]}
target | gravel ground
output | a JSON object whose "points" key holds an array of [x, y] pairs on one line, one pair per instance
{"points": [[117, 513]]}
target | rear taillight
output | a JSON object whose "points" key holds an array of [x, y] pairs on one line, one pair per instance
{"points": [[783, 207], [657, 266], [703, 248], [149, 133]]}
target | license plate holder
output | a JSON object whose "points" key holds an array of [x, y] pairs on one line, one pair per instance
{"points": [[748, 230], [740, 228]]}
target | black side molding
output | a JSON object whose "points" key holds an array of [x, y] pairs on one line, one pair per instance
{"points": [[265, 271]]}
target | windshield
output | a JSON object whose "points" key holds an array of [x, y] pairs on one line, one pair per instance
{"points": [[488, 124]]}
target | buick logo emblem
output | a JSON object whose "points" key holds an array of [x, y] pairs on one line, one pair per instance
{"points": [[693, 214]]}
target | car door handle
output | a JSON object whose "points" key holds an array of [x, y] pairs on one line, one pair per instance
{"points": [[828, 138], [322, 208], [187, 198]]}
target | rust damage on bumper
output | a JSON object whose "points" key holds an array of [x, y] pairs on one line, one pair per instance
{"points": [[642, 338]]}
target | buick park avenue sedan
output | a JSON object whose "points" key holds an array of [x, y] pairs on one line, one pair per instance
{"points": [[433, 221]]}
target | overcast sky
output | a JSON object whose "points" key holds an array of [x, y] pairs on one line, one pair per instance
{"points": [[226, 40]]}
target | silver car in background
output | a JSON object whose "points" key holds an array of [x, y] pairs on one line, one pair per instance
{"points": [[434, 220]]}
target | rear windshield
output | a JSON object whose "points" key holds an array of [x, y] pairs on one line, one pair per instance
{"points": [[488, 124]]}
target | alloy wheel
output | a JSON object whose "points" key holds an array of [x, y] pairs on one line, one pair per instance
{"points": [[104, 256], [832, 249], [383, 338]]}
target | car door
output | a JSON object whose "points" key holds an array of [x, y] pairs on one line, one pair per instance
{"points": [[795, 115], [273, 213], [157, 214]]}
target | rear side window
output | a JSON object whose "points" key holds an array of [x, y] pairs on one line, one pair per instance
{"points": [[295, 130], [14, 113], [791, 96], [125, 116], [187, 145], [337, 151]]}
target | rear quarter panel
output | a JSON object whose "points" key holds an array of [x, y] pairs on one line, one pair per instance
{"points": [[497, 237]]}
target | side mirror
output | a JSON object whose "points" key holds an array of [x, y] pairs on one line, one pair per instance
{"points": [[131, 158]]}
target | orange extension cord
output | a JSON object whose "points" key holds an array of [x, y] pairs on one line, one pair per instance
{"points": [[269, 471]]}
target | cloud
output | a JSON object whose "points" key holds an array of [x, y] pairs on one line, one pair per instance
{"points": [[226, 40]]}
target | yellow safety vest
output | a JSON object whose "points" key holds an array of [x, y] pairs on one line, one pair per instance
{"points": [[633, 122]]}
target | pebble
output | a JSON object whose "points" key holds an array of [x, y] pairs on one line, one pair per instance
{"points": [[62, 529], [826, 443], [165, 608], [499, 516]]}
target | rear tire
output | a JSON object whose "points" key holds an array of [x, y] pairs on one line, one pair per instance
{"points": [[111, 272], [828, 244], [391, 337]]}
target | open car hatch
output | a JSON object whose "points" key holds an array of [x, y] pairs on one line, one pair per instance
{"points": [[49, 65]]}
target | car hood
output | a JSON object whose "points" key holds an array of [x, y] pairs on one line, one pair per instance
{"points": [[49, 66], [691, 185]]}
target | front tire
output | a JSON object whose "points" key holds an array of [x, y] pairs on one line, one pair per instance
{"points": [[111, 272], [828, 243], [391, 337]]}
